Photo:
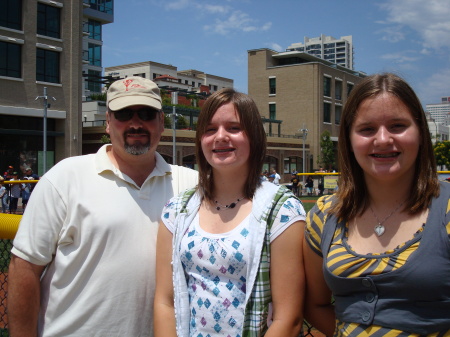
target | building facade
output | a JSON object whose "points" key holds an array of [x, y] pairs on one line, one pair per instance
{"points": [[295, 91], [43, 44], [440, 112], [339, 51], [166, 75], [96, 14]]}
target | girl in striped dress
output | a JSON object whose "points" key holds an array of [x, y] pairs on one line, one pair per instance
{"points": [[380, 248]]}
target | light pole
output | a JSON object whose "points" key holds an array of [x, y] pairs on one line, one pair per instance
{"points": [[46, 106], [304, 135], [174, 125]]}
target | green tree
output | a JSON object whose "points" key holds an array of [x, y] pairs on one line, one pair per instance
{"points": [[105, 139], [442, 153], [326, 157], [182, 123]]}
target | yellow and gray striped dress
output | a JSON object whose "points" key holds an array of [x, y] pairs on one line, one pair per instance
{"points": [[342, 261]]}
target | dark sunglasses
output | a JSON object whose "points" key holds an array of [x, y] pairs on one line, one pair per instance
{"points": [[145, 114]]}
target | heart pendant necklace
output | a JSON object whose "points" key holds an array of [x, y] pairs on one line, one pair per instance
{"points": [[380, 229]]}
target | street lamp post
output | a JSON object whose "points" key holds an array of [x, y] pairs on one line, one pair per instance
{"points": [[46, 106], [304, 131], [174, 125]]}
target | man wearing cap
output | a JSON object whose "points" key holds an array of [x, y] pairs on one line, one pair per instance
{"points": [[84, 256]]}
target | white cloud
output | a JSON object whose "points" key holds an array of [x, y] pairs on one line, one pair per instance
{"points": [[178, 4], [434, 87], [392, 34], [401, 57], [430, 19], [275, 46], [215, 9], [237, 21]]}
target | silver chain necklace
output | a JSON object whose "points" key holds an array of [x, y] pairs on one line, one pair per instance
{"points": [[379, 229], [219, 206]]}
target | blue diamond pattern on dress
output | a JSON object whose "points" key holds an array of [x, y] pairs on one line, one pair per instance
{"points": [[217, 316], [232, 321], [235, 244], [244, 232], [190, 245], [239, 256], [212, 248], [230, 285], [216, 280], [231, 269], [191, 233], [188, 256], [207, 303], [200, 302], [235, 302], [216, 291], [284, 219], [223, 253], [217, 327], [212, 259]]}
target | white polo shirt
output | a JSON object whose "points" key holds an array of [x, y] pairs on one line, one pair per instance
{"points": [[96, 230]]}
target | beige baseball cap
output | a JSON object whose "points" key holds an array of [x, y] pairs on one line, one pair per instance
{"points": [[133, 90]]}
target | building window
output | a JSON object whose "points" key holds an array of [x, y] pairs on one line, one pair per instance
{"points": [[272, 86], [295, 165], [327, 86], [47, 66], [140, 75], [95, 55], [338, 90], [337, 114], [94, 83], [48, 21], [272, 111], [11, 14], [349, 89], [105, 6], [10, 59], [95, 30], [326, 112]]}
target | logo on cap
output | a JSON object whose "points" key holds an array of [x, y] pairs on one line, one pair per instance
{"points": [[127, 83]]}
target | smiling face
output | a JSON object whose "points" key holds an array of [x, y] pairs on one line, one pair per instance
{"points": [[135, 136], [225, 145], [385, 139]]}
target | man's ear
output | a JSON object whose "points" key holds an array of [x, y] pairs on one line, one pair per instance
{"points": [[161, 117], [108, 120]]}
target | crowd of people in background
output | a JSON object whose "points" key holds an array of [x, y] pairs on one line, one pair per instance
{"points": [[295, 184], [12, 193]]}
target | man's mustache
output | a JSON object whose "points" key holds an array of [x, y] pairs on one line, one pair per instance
{"points": [[139, 131]]}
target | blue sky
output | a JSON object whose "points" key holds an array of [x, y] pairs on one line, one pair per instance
{"points": [[408, 37]]}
